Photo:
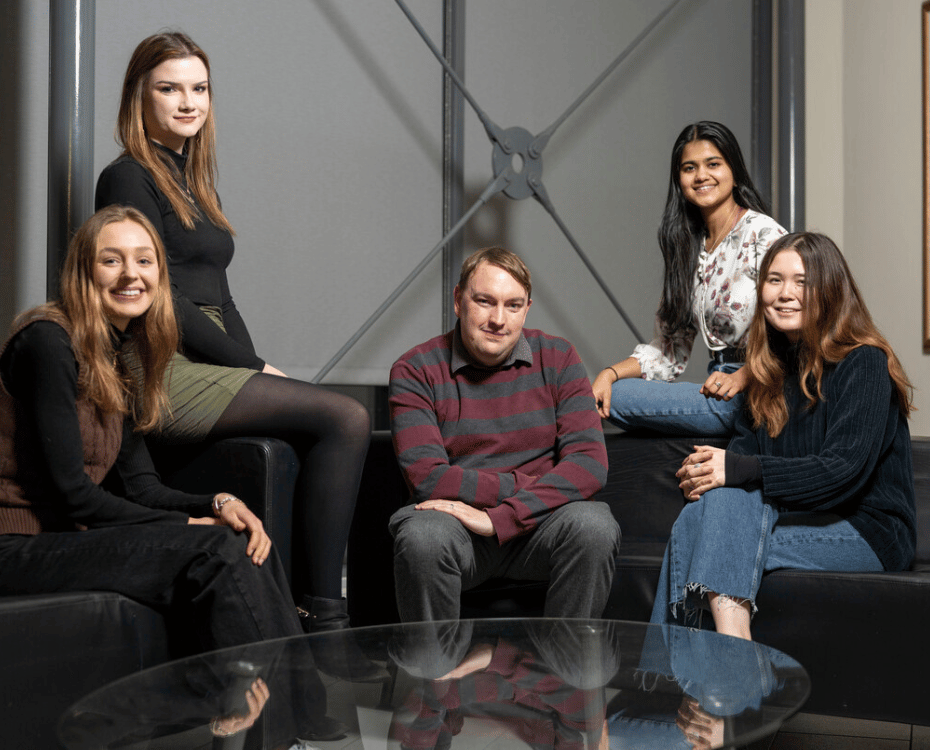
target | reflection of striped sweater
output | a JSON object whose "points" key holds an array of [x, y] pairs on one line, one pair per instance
{"points": [[519, 440], [517, 690]]}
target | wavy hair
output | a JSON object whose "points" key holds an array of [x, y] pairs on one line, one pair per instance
{"points": [[682, 230], [80, 311], [835, 322], [200, 170]]}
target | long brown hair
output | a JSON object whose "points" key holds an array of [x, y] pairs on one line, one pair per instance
{"points": [[200, 170], [835, 322], [81, 312]]}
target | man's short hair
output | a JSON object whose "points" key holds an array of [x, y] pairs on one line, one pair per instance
{"points": [[502, 258]]}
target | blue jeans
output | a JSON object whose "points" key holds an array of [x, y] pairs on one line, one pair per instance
{"points": [[673, 408], [726, 540]]}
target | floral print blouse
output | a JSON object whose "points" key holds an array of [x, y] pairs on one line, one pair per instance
{"points": [[723, 302]]}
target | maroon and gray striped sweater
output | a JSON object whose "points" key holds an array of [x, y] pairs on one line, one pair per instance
{"points": [[518, 441]]}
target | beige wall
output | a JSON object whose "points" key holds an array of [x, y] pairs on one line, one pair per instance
{"points": [[864, 160]]}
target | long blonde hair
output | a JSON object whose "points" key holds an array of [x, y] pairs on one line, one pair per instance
{"points": [[835, 322], [200, 170], [103, 379]]}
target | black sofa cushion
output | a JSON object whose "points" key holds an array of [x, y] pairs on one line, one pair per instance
{"points": [[59, 647]]}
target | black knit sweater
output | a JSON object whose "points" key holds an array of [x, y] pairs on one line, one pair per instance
{"points": [[850, 454]]}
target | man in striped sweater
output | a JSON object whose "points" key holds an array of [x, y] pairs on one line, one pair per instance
{"points": [[497, 434]]}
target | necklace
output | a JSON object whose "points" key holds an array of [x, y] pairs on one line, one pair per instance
{"points": [[723, 232]]}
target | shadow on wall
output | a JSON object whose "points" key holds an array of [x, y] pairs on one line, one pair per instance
{"points": [[10, 95], [491, 224]]}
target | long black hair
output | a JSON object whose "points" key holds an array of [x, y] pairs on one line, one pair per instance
{"points": [[682, 231]]}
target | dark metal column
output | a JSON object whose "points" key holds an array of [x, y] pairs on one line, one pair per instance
{"points": [[760, 158], [453, 147], [70, 127], [791, 147]]}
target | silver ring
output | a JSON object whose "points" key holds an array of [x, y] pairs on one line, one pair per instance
{"points": [[697, 465], [718, 383]]}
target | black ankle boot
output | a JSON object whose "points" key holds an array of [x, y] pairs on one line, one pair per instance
{"points": [[340, 658]]}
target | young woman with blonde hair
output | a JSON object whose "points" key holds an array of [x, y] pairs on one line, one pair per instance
{"points": [[219, 386], [819, 473], [70, 420]]}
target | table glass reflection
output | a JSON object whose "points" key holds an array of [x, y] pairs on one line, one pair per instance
{"points": [[542, 683]]}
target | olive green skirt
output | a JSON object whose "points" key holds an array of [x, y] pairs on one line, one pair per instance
{"points": [[199, 392]]}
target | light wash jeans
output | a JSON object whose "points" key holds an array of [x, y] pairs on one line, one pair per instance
{"points": [[727, 539], [673, 408]]}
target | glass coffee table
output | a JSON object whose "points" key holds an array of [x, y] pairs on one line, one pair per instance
{"points": [[510, 683]]}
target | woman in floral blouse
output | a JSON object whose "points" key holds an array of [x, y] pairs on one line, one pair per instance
{"points": [[713, 235]]}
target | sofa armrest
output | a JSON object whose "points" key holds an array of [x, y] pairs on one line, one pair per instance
{"points": [[261, 471], [59, 647]]}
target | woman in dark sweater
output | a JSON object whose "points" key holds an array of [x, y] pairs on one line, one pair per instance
{"points": [[819, 474], [219, 387], [81, 507]]}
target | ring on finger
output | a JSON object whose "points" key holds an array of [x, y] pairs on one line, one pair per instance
{"points": [[718, 383]]}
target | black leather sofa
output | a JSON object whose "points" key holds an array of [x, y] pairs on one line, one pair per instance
{"points": [[59, 647], [860, 636]]}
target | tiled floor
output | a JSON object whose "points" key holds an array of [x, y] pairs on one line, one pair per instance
{"points": [[812, 732]]}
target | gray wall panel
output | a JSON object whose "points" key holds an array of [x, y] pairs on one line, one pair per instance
{"points": [[329, 117]]}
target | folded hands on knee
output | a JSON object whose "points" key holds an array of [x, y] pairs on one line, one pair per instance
{"points": [[701, 471]]}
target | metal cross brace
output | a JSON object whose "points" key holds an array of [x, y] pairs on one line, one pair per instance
{"points": [[517, 165]]}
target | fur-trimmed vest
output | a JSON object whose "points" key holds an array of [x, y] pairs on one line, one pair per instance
{"points": [[27, 502]]}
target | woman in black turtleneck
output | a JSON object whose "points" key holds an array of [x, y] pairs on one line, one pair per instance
{"points": [[819, 474], [218, 386]]}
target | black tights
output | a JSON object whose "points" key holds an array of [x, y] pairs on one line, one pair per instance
{"points": [[330, 433]]}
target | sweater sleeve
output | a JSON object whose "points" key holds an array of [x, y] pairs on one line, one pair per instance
{"points": [[41, 373], [135, 478], [515, 501], [129, 183], [207, 342], [665, 357], [857, 400]]}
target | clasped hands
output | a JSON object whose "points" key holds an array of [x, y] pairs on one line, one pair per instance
{"points": [[703, 470]]}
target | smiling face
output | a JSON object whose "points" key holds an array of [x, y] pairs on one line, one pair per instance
{"points": [[705, 177], [176, 101], [783, 293], [125, 271], [491, 311]]}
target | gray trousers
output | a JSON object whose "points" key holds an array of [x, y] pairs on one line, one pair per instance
{"points": [[436, 558]]}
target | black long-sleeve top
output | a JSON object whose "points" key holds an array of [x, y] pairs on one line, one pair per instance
{"points": [[40, 372], [197, 261], [850, 454]]}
